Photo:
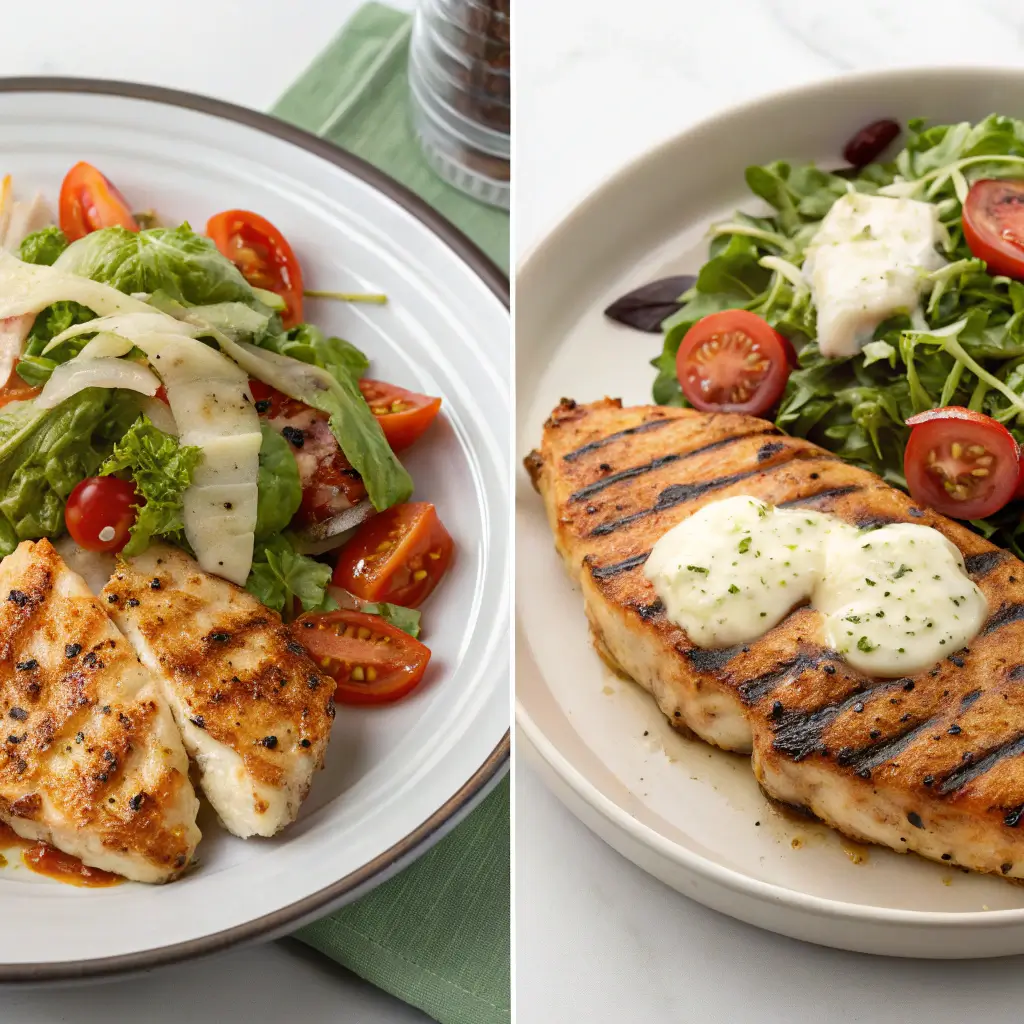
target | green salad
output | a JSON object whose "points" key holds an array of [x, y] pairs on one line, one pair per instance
{"points": [[962, 345], [161, 384]]}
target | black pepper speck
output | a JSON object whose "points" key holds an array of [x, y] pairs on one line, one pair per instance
{"points": [[72, 650], [269, 742], [27, 666]]}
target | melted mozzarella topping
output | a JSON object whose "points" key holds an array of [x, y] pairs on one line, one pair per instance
{"points": [[894, 600], [867, 262]]}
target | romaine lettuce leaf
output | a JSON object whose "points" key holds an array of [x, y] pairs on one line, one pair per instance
{"points": [[183, 265], [309, 344], [161, 470], [44, 454], [43, 247]]}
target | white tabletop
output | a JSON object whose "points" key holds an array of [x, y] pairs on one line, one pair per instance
{"points": [[600, 81], [246, 53]]}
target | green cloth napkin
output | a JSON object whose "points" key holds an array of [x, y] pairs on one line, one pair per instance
{"points": [[437, 935], [356, 93]]}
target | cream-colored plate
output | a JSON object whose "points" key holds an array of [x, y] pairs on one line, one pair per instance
{"points": [[691, 815]]}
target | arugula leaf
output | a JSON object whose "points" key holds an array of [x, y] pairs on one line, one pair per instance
{"points": [[280, 490], [44, 454], [406, 619], [280, 576], [161, 470], [186, 267], [43, 247]]}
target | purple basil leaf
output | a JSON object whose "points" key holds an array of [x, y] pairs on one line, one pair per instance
{"points": [[646, 307]]}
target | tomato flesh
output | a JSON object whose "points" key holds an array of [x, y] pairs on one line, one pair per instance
{"points": [[330, 485], [100, 513], [398, 556], [262, 254], [403, 415], [993, 219], [88, 201], [733, 362], [371, 661], [961, 463]]}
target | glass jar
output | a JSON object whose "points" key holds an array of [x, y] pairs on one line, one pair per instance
{"points": [[460, 78]]}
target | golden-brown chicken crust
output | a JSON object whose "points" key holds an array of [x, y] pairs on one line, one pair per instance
{"points": [[933, 763], [87, 746], [238, 673]]}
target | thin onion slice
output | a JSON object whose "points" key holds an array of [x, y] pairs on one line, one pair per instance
{"points": [[78, 374]]}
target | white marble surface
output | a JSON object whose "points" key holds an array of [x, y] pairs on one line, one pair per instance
{"points": [[600, 81], [248, 54]]}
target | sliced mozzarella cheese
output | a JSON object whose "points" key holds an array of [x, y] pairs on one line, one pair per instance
{"points": [[867, 262], [78, 374]]}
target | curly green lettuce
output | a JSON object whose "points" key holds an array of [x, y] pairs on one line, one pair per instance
{"points": [[161, 470]]}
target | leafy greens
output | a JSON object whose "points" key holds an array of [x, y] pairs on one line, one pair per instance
{"points": [[968, 351], [161, 470]]}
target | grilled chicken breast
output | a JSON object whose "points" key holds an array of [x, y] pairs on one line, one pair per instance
{"points": [[933, 763], [91, 761], [254, 711]]}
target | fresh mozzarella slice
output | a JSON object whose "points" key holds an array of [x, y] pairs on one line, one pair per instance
{"points": [[868, 261], [78, 374]]}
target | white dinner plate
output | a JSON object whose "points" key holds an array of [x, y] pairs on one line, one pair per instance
{"points": [[396, 778], [689, 814]]}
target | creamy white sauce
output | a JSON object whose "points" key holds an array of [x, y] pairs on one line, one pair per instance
{"points": [[867, 262], [894, 600]]}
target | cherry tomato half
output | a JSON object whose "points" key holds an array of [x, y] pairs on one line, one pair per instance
{"points": [[88, 202], [403, 415], [372, 661], [100, 513], [961, 463], [262, 254], [733, 362], [397, 556], [993, 221]]}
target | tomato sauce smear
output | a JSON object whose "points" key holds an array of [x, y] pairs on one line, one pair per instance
{"points": [[46, 860]]}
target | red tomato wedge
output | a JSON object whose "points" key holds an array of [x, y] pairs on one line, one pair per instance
{"points": [[371, 661], [961, 463], [262, 254], [88, 202], [403, 415], [993, 221], [100, 513], [398, 556], [733, 362]]}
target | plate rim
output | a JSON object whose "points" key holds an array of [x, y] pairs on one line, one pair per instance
{"points": [[765, 893], [489, 774]]}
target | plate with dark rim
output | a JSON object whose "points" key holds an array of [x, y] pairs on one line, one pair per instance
{"points": [[397, 778], [687, 813]]}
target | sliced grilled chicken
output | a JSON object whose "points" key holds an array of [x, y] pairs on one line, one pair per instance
{"points": [[91, 761], [933, 763], [254, 711]]}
